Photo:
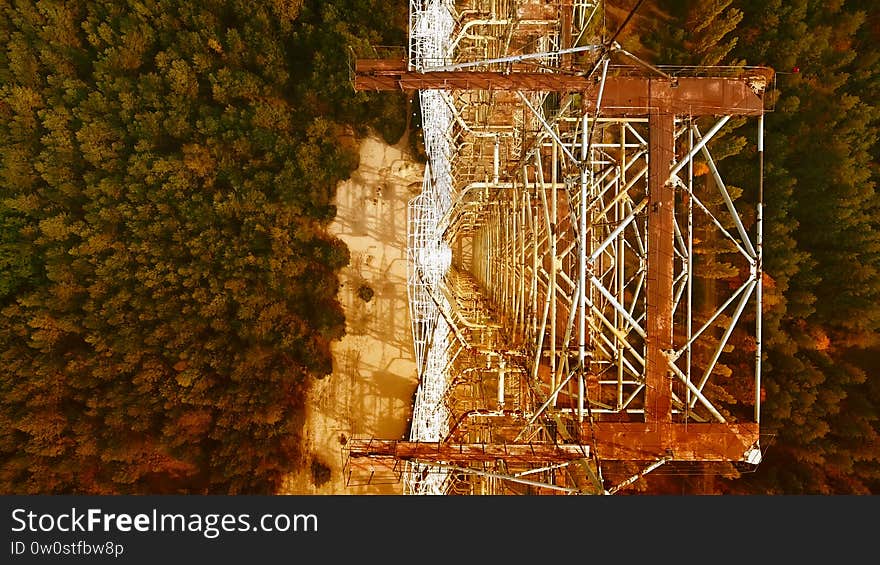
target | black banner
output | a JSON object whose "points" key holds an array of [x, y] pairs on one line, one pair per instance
{"points": [[245, 529]]}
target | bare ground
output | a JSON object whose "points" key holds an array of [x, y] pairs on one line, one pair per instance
{"points": [[370, 392]]}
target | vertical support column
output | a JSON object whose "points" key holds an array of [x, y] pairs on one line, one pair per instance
{"points": [[514, 262], [488, 228], [583, 254], [565, 40], [553, 259], [533, 216], [496, 161], [501, 368], [504, 257], [658, 386], [619, 256], [523, 262], [690, 261], [506, 262]]}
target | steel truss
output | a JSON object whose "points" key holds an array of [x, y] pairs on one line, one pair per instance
{"points": [[585, 294]]}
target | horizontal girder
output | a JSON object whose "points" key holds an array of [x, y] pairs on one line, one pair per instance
{"points": [[674, 442], [622, 95]]}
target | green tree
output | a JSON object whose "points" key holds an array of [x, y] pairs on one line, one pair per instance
{"points": [[167, 282]]}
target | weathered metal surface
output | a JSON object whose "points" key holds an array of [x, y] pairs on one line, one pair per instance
{"points": [[678, 442], [372, 471], [630, 441], [466, 452], [622, 96], [661, 205]]}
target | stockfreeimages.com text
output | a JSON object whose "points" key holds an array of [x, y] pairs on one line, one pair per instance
{"points": [[209, 525]]}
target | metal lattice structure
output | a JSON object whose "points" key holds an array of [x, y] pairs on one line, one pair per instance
{"points": [[578, 270]]}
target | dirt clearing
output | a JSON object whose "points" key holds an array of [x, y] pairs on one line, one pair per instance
{"points": [[371, 389]]}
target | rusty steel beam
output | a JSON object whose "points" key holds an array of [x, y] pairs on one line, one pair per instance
{"points": [[627, 441], [661, 207], [465, 452], [679, 442], [622, 95]]}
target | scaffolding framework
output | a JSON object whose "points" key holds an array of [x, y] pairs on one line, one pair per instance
{"points": [[585, 294]]}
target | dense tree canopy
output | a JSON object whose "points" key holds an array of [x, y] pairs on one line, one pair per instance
{"points": [[822, 154], [167, 284], [822, 225]]}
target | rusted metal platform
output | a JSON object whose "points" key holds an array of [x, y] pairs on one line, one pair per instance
{"points": [[466, 452], [622, 95]]}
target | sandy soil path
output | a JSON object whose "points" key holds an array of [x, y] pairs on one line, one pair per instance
{"points": [[371, 389]]}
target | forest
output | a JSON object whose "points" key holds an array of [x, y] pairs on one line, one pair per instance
{"points": [[168, 285], [821, 224]]}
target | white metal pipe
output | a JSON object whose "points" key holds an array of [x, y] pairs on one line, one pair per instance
{"points": [[640, 244], [633, 395], [717, 313], [582, 277], [601, 89], [550, 400], [514, 58], [471, 23], [540, 345], [554, 156], [637, 476], [496, 161], [637, 293], [621, 265], [624, 193], [503, 477], [617, 306], [543, 469], [724, 194], [618, 230], [521, 267], [726, 336], [690, 265], [680, 165], [718, 224], [703, 400], [632, 130], [501, 367], [759, 242], [547, 127], [533, 225]]}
